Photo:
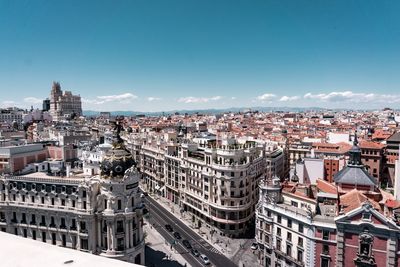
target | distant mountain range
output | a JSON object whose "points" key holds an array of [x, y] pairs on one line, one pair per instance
{"points": [[207, 111]]}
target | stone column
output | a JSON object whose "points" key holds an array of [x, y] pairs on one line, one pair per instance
{"points": [[114, 241], [127, 245], [99, 235], [109, 248], [340, 249]]}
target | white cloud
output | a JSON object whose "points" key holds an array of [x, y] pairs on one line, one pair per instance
{"points": [[122, 98], [8, 104], [152, 98], [349, 96], [191, 99], [33, 100], [266, 97], [289, 98]]}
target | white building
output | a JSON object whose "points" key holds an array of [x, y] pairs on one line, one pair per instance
{"points": [[98, 214]]}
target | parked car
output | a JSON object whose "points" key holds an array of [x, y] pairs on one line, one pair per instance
{"points": [[177, 235], [169, 228], [195, 252], [204, 259], [186, 244], [254, 246]]}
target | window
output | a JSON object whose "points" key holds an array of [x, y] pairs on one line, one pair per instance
{"points": [[366, 216], [325, 235], [289, 236], [84, 205], [52, 224], [63, 223], [73, 224], [25, 233], [64, 240], [300, 255], [33, 234], [33, 219], [43, 222], [52, 201], [73, 203], [279, 219], [301, 228], [289, 223], [83, 226], [53, 239], [300, 242], [120, 244], [119, 204], [278, 244], [32, 199], [120, 226], [324, 262], [44, 237], [289, 250], [23, 198], [325, 249], [42, 200], [84, 244], [62, 202], [278, 231]]}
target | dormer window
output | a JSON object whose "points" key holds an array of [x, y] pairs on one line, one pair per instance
{"points": [[366, 216]]}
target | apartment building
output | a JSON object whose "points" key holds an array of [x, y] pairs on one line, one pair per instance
{"points": [[215, 182]]}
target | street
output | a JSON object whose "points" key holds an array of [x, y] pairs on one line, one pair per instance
{"points": [[159, 217]]}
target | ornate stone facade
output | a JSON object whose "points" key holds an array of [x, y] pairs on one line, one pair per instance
{"points": [[64, 104]]}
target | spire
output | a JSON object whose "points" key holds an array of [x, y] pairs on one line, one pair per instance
{"points": [[355, 152], [355, 142]]}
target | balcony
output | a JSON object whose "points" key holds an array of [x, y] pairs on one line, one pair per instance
{"points": [[73, 228]]}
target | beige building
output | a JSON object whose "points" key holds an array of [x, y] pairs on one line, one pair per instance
{"points": [[64, 104], [213, 181]]}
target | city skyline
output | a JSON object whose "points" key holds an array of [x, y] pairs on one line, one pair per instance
{"points": [[179, 55]]}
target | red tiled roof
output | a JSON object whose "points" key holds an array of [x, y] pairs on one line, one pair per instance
{"points": [[326, 187]]}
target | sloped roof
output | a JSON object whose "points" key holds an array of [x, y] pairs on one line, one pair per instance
{"points": [[354, 199], [394, 137], [356, 175], [326, 187]]}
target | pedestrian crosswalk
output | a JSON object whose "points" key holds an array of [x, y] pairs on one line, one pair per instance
{"points": [[216, 251], [207, 246]]}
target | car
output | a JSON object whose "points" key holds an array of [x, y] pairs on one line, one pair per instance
{"points": [[177, 235], [204, 259], [187, 244], [254, 246], [169, 228], [195, 252]]}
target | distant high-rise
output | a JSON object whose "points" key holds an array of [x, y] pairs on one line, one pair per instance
{"points": [[46, 105], [64, 105]]}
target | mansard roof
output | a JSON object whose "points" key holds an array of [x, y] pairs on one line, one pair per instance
{"points": [[356, 175]]}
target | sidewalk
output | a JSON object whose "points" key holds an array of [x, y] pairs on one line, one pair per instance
{"points": [[235, 249], [158, 252]]}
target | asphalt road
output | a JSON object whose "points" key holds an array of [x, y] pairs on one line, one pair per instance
{"points": [[159, 217]]}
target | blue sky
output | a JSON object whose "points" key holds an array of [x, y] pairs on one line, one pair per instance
{"points": [[163, 55]]}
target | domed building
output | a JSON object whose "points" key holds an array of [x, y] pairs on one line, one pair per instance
{"points": [[119, 205], [99, 214]]}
